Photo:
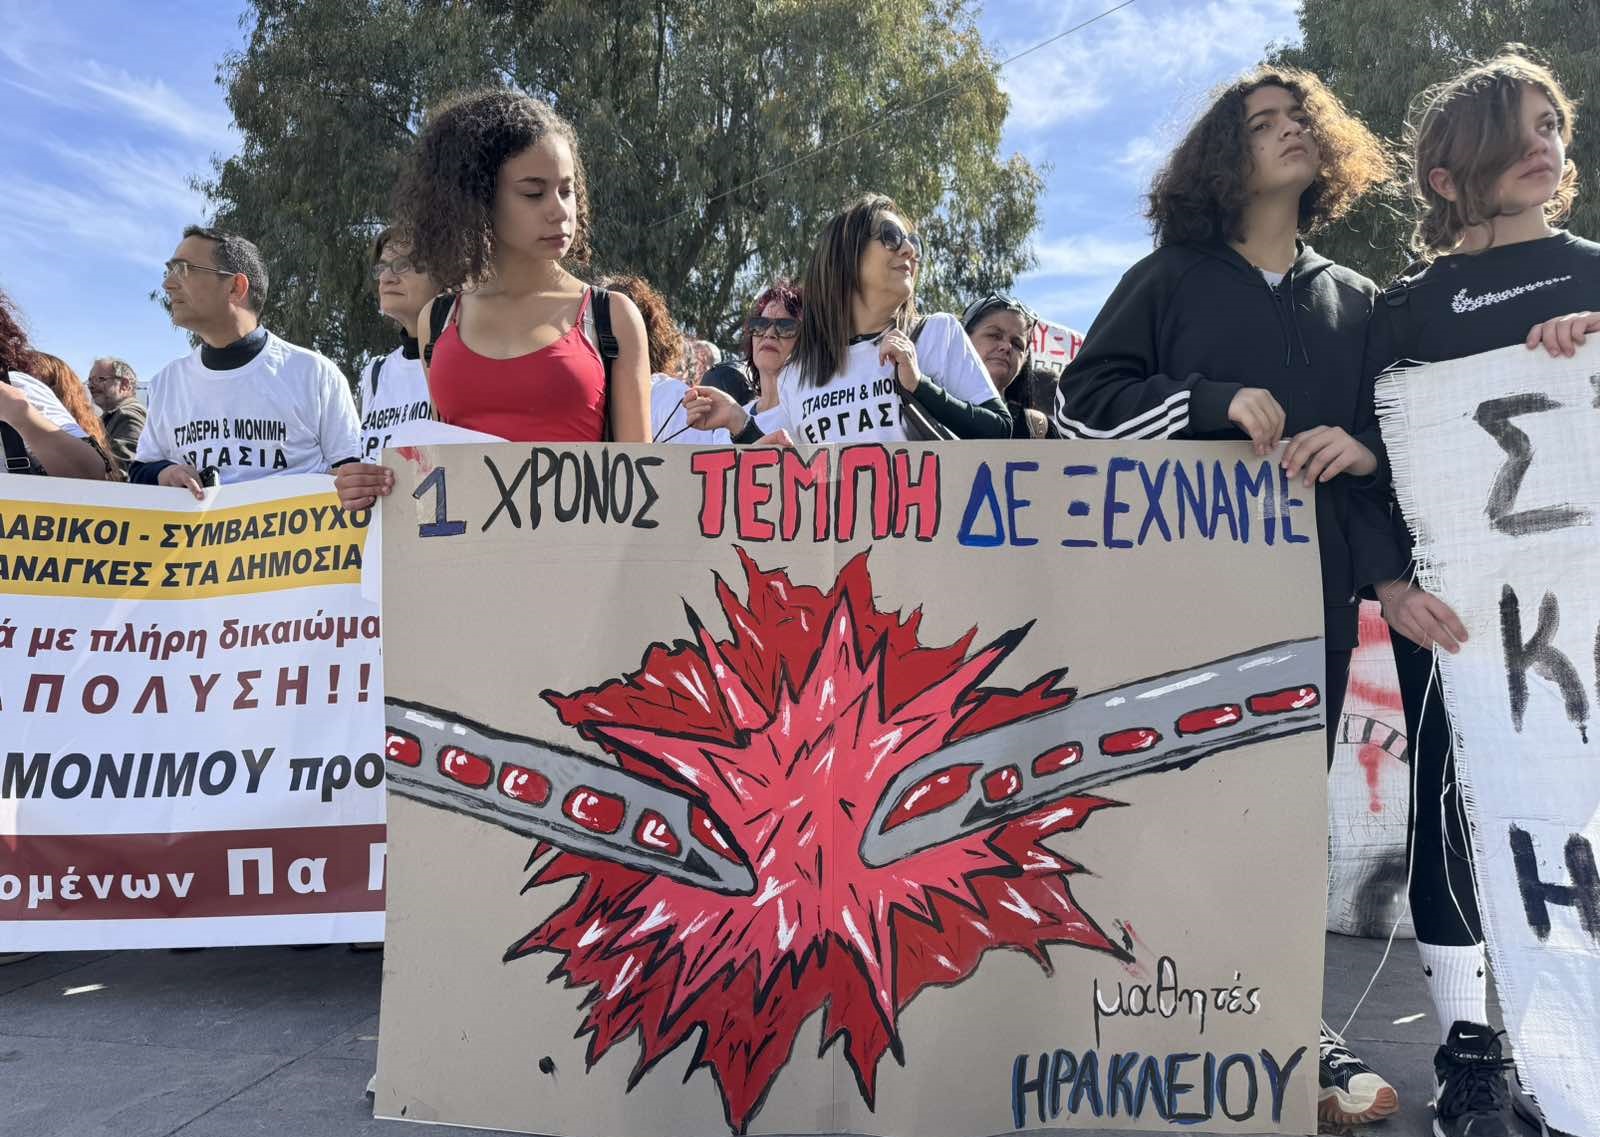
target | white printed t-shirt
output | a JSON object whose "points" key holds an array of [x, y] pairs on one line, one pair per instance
{"points": [[861, 402], [287, 411], [402, 397], [42, 399]]}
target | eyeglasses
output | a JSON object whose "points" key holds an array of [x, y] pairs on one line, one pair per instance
{"points": [[892, 237], [180, 270], [397, 265], [784, 327], [998, 302]]}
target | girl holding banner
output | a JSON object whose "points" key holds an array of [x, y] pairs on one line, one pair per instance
{"points": [[1492, 180], [494, 203], [1235, 328]]}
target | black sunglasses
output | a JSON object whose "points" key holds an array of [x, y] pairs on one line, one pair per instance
{"points": [[892, 237], [998, 302], [784, 327]]}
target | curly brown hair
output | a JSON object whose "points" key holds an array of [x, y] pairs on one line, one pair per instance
{"points": [[1200, 195], [1471, 126], [14, 349], [661, 334], [444, 199], [57, 374]]}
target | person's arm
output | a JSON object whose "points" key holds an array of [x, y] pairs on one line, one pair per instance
{"points": [[338, 429], [630, 374], [942, 373], [53, 438], [1118, 386]]}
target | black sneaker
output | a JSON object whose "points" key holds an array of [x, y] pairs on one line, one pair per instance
{"points": [[1350, 1093], [1523, 1105], [1471, 1097]]}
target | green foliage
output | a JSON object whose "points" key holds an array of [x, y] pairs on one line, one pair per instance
{"points": [[1378, 55], [689, 114]]}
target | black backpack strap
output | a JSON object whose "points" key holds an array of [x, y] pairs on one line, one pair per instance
{"points": [[916, 329], [16, 451], [606, 341], [377, 367], [438, 316]]}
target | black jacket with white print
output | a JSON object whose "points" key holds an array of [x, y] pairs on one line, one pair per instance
{"points": [[1465, 304], [1190, 325]]}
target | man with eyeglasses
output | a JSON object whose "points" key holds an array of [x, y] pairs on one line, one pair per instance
{"points": [[111, 386], [244, 404]]}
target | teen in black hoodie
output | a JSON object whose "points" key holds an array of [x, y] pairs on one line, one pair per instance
{"points": [[1492, 177], [1234, 328]]}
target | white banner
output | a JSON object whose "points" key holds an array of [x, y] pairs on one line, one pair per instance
{"points": [[192, 696], [1498, 471]]}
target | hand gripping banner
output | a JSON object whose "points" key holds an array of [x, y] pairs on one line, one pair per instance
{"points": [[1499, 476]]}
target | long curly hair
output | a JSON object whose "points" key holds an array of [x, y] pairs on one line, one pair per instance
{"points": [[1200, 194], [55, 373], [1471, 126], [661, 333], [14, 349], [784, 293], [445, 196]]}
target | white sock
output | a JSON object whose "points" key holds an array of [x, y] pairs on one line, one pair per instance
{"points": [[1457, 981]]}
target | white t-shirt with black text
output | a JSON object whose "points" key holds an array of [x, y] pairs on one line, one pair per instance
{"points": [[861, 403], [287, 411], [402, 397], [42, 399]]}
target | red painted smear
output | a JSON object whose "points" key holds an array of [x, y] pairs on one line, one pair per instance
{"points": [[1129, 741], [404, 749], [653, 832], [468, 769], [413, 455], [523, 784], [1371, 758], [595, 811], [1057, 759], [932, 793], [1210, 718], [1278, 702], [1002, 783]]}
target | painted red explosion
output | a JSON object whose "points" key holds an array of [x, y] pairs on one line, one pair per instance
{"points": [[788, 734]]}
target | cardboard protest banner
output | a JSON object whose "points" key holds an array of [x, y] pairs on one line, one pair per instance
{"points": [[940, 790], [1499, 477], [192, 698]]}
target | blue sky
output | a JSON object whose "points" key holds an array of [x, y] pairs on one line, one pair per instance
{"points": [[107, 109]]}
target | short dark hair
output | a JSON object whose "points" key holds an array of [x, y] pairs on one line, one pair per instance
{"points": [[235, 254]]}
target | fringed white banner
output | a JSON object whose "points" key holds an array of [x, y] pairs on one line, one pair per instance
{"points": [[1497, 463]]}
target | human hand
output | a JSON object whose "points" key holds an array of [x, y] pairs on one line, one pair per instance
{"points": [[897, 348], [712, 408], [1326, 452], [1421, 617], [1563, 335], [1258, 414], [180, 476], [360, 484]]}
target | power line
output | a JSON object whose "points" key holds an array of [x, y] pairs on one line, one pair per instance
{"points": [[897, 113]]}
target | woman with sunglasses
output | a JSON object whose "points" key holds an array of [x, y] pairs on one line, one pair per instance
{"points": [[769, 337], [1001, 329], [856, 374]]}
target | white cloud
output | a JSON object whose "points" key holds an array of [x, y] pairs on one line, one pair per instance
{"points": [[154, 103], [1086, 255], [1145, 48]]}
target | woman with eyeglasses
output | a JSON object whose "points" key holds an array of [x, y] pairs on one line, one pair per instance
{"points": [[396, 390], [1001, 328], [769, 338], [864, 368]]}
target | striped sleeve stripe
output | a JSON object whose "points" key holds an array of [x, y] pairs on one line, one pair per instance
{"points": [[1160, 421]]}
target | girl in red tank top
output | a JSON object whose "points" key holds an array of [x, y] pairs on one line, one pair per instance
{"points": [[493, 203]]}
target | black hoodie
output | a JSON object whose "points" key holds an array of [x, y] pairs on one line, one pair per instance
{"points": [[1190, 325], [1463, 304]]}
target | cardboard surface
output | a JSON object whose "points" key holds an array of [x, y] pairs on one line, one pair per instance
{"points": [[953, 952]]}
